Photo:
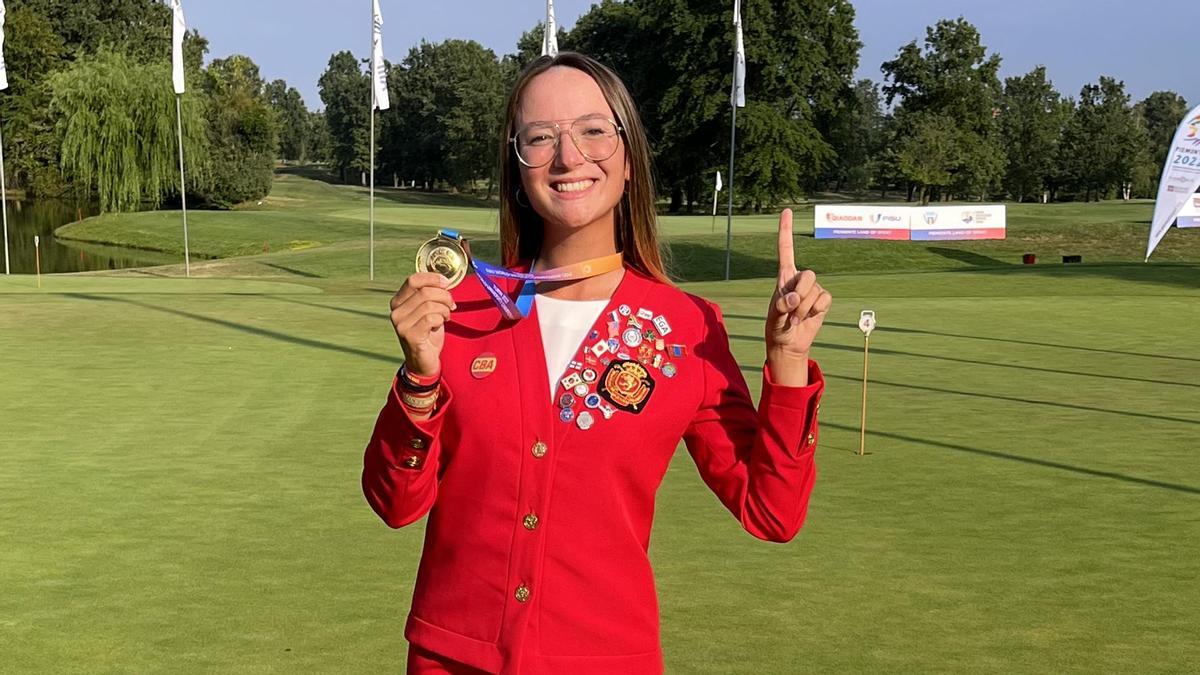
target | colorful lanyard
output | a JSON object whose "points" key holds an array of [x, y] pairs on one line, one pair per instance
{"points": [[513, 311]]}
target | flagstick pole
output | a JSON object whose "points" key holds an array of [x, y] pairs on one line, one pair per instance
{"points": [[187, 256], [4, 202], [714, 216], [732, 145], [372, 189], [862, 442]]}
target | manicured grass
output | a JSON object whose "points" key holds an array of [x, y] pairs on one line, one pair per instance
{"points": [[303, 214], [181, 458]]}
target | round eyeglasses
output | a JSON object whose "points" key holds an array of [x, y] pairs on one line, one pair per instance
{"points": [[597, 138]]}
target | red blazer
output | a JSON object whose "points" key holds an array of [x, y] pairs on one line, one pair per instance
{"points": [[535, 555]]}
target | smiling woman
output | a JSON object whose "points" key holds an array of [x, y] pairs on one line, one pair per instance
{"points": [[536, 551]]}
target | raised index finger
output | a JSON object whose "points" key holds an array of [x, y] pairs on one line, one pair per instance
{"points": [[787, 257]]}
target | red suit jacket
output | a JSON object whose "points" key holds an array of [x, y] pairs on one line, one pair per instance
{"points": [[535, 557]]}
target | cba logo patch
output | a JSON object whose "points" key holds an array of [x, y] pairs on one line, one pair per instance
{"points": [[483, 365], [627, 385]]}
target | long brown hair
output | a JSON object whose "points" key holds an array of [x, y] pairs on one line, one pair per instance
{"points": [[635, 220]]}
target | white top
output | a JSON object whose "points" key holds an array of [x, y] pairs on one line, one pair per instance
{"points": [[565, 324]]}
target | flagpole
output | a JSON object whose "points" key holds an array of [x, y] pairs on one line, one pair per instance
{"points": [[372, 179], [714, 216], [4, 202], [187, 256], [732, 145], [3, 187]]}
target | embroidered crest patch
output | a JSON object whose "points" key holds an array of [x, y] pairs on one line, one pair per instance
{"points": [[627, 385]]}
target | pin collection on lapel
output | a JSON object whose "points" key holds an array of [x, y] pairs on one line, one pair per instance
{"points": [[618, 370]]}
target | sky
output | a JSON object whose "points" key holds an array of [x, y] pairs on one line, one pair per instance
{"points": [[1077, 40]]}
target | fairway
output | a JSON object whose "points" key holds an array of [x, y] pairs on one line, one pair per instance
{"points": [[181, 462]]}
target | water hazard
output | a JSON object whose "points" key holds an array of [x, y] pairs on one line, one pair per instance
{"points": [[36, 217]]}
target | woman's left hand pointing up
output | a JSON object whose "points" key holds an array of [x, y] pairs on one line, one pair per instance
{"points": [[797, 310]]}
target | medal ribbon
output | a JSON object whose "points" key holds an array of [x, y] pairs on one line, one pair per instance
{"points": [[514, 311]]}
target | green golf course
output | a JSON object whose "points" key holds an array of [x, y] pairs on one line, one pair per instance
{"points": [[179, 474]]}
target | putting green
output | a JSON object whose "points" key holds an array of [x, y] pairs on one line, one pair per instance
{"points": [[181, 459]]}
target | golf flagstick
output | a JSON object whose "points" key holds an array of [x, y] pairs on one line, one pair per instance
{"points": [[715, 193], [380, 100], [37, 256], [178, 33], [866, 323]]}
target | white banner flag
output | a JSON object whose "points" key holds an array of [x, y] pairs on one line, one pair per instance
{"points": [[3, 65], [719, 183], [550, 34], [378, 68], [179, 29], [1180, 178], [738, 95]]}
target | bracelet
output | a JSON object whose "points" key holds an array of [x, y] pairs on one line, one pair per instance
{"points": [[418, 384], [419, 403]]}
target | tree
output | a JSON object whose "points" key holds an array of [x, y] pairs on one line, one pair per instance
{"points": [[242, 131], [139, 28], [293, 119], [929, 151], [1031, 122], [953, 76], [346, 92], [449, 100], [1103, 146], [1161, 113], [801, 55], [529, 45], [32, 51], [857, 136], [318, 138], [117, 120]]}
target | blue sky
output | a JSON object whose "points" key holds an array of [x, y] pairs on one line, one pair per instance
{"points": [[1077, 41]]}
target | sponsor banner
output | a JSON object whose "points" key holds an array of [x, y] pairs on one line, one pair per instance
{"points": [[959, 223], [1180, 178], [852, 221], [1190, 215]]}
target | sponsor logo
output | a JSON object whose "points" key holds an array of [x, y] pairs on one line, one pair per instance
{"points": [[968, 218], [930, 217], [878, 218], [1193, 132], [835, 218], [483, 365]]}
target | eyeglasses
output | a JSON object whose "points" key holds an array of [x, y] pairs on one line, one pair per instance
{"points": [[597, 138]]}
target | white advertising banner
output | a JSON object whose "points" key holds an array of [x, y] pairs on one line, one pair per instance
{"points": [[854, 221], [1180, 178], [1189, 216], [959, 223]]}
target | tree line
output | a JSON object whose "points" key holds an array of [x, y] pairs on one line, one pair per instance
{"points": [[938, 125], [90, 110]]}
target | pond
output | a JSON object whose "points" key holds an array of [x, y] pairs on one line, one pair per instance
{"points": [[40, 217]]}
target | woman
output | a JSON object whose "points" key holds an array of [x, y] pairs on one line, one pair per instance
{"points": [[536, 445]]}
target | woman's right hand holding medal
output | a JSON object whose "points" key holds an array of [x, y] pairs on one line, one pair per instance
{"points": [[420, 309]]}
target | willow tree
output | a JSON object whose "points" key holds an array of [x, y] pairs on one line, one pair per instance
{"points": [[117, 120]]}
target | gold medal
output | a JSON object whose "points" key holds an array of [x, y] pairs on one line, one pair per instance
{"points": [[444, 256]]}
